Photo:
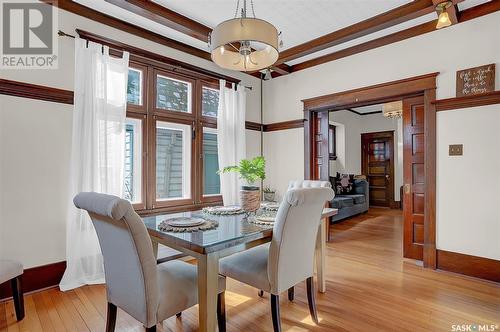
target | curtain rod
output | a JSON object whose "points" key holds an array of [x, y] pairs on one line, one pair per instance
{"points": [[64, 34]]}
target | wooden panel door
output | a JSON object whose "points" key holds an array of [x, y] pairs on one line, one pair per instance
{"points": [[414, 177], [378, 165]]}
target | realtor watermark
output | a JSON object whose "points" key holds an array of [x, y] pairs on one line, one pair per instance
{"points": [[29, 35], [474, 328]]}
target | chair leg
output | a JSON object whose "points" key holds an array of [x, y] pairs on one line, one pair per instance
{"points": [[291, 293], [151, 329], [111, 317], [18, 296], [179, 314], [275, 312], [261, 293], [311, 299], [221, 312]]}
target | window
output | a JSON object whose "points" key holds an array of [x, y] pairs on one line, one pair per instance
{"points": [[172, 94], [134, 87], [173, 161], [133, 161], [209, 101], [211, 180], [171, 153]]}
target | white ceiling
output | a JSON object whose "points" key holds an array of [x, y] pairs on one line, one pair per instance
{"points": [[299, 20], [368, 109]]}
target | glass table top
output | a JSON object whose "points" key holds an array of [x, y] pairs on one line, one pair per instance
{"points": [[232, 230]]}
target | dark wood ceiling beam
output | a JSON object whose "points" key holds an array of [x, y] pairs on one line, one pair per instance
{"points": [[97, 16], [468, 14], [390, 18], [164, 16]]}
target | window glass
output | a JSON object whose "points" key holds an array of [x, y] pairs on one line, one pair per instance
{"points": [[209, 101], [173, 95], [134, 87], [211, 180], [173, 161], [133, 161]]}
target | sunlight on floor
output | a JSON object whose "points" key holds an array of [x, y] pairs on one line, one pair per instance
{"points": [[235, 299], [308, 320]]}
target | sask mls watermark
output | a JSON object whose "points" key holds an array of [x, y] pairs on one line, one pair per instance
{"points": [[29, 35]]}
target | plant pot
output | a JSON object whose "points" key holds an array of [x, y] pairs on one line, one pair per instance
{"points": [[250, 198], [269, 196]]}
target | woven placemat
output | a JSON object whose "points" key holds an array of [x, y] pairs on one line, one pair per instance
{"points": [[207, 225], [255, 220], [222, 211]]}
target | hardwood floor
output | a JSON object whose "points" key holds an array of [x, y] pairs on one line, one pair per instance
{"points": [[369, 288]]}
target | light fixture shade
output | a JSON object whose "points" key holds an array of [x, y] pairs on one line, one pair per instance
{"points": [[443, 20], [393, 109], [263, 38]]}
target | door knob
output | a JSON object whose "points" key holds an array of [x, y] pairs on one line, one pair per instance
{"points": [[407, 188], [387, 176]]}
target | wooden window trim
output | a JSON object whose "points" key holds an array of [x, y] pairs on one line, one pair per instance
{"points": [[150, 114]]}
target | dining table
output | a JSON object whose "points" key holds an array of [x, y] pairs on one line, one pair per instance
{"points": [[234, 233]]}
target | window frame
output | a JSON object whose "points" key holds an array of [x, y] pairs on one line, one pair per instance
{"points": [[150, 115], [332, 142]]}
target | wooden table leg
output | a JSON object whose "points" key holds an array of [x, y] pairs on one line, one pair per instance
{"points": [[321, 255], [208, 281]]}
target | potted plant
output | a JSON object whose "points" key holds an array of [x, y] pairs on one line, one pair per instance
{"points": [[250, 170], [269, 194]]}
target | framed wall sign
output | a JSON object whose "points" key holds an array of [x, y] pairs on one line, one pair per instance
{"points": [[476, 80]]}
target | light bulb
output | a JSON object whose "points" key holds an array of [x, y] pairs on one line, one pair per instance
{"points": [[443, 20]]}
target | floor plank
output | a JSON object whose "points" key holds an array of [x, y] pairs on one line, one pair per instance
{"points": [[370, 287]]}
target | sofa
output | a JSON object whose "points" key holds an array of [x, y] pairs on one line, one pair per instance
{"points": [[353, 203]]}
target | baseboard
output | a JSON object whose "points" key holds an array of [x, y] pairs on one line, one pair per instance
{"points": [[473, 266], [36, 278]]}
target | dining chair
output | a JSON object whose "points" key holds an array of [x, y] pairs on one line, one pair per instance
{"points": [[13, 271], [135, 283], [289, 258]]}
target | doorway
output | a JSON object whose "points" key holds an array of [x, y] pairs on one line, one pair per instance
{"points": [[418, 95], [377, 164]]}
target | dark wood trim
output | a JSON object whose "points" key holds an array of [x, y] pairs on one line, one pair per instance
{"points": [[430, 129], [414, 86], [466, 15], [253, 126], [143, 56], [474, 266], [33, 91], [483, 99], [37, 278], [292, 124], [378, 93], [390, 18], [164, 16]]}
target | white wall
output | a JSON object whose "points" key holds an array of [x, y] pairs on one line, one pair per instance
{"points": [[465, 45], [353, 125], [35, 140]]}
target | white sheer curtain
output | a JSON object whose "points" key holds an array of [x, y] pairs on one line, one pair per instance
{"points": [[97, 156], [231, 141]]}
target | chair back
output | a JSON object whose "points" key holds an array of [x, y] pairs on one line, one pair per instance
{"points": [[129, 261], [291, 253], [308, 184]]}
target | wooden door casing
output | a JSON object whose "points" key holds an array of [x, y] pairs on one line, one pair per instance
{"points": [[414, 177], [377, 163]]}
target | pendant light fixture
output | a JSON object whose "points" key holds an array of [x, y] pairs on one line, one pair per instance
{"points": [[244, 43], [443, 18]]}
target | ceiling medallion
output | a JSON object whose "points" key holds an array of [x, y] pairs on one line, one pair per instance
{"points": [[244, 43]]}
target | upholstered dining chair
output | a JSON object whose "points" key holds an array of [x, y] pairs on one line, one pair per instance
{"points": [[289, 258], [13, 271], [135, 283]]}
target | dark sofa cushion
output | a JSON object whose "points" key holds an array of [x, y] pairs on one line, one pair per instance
{"points": [[358, 199], [358, 186], [340, 202]]}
